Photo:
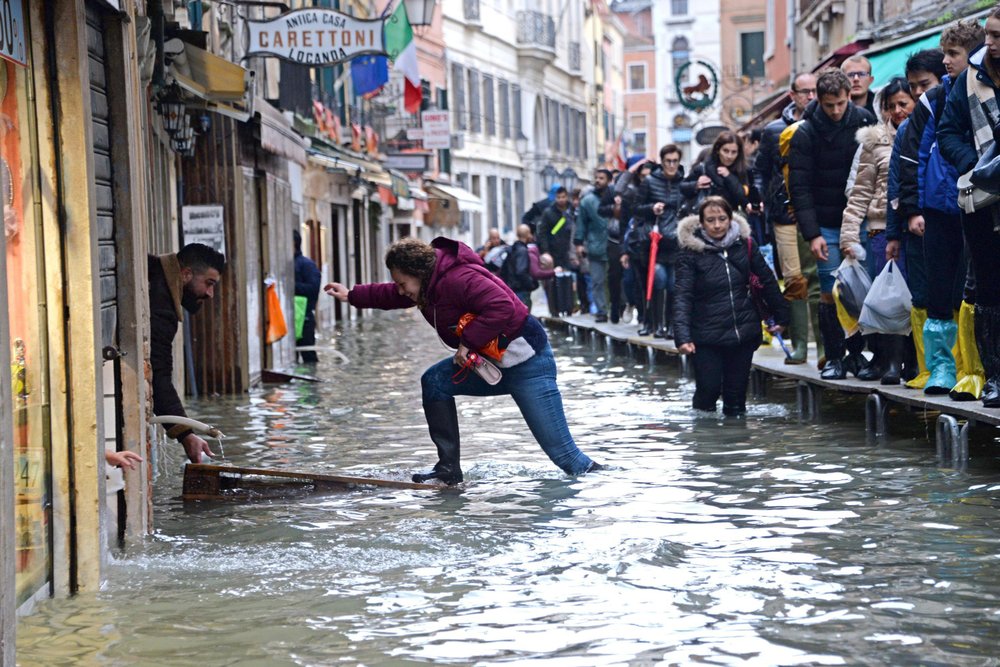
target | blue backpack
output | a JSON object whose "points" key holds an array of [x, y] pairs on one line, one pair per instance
{"points": [[936, 177]]}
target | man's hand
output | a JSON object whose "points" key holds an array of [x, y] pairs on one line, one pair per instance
{"points": [[658, 208], [686, 348], [122, 459], [704, 182], [624, 261], [639, 164], [195, 447], [892, 250], [461, 355], [819, 249], [776, 329], [337, 291], [917, 225], [581, 251]]}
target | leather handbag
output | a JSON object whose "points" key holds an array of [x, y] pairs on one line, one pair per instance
{"points": [[979, 187]]}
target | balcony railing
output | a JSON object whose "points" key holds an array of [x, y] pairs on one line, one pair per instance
{"points": [[471, 8], [574, 56], [536, 29]]}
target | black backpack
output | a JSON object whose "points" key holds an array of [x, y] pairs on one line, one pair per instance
{"points": [[516, 269]]}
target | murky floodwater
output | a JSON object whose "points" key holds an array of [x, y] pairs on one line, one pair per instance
{"points": [[768, 542]]}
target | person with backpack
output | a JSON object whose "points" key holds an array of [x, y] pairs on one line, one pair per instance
{"points": [[522, 269], [967, 131], [660, 201], [798, 266], [819, 163]]}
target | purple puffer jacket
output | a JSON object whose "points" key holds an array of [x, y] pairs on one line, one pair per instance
{"points": [[460, 284]]}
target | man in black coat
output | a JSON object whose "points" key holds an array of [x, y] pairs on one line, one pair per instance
{"points": [[555, 238], [178, 282], [307, 284], [819, 164]]}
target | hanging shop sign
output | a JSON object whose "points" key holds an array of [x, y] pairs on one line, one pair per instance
{"points": [[696, 85], [437, 129], [316, 37], [12, 32], [205, 224]]}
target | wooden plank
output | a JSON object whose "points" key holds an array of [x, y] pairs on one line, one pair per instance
{"points": [[204, 481]]}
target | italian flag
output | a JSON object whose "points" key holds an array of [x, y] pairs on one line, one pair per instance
{"points": [[402, 49]]}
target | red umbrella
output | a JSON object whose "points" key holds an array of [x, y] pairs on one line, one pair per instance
{"points": [[654, 244]]}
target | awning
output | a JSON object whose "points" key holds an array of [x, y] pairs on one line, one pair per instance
{"points": [[222, 85], [276, 136], [889, 60], [380, 178], [842, 54], [466, 200]]}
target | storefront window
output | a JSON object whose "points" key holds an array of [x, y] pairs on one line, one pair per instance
{"points": [[28, 354]]}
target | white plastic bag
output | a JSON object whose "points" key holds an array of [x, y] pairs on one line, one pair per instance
{"points": [[888, 304], [854, 282]]}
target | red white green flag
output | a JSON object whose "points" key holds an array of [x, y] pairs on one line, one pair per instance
{"points": [[402, 49]]}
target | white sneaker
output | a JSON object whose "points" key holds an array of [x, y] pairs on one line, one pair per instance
{"points": [[627, 315]]}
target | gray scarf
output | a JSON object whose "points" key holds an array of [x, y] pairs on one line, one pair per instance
{"points": [[731, 237]]}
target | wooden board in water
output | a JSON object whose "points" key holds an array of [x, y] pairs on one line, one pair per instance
{"points": [[204, 481]]}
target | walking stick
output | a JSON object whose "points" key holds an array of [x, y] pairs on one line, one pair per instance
{"points": [[654, 245]]}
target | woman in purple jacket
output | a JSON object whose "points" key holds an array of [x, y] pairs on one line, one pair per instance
{"points": [[447, 280]]}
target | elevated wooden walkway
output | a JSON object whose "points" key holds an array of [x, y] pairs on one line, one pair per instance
{"points": [[769, 363]]}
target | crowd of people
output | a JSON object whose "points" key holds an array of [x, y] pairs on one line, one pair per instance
{"points": [[902, 175]]}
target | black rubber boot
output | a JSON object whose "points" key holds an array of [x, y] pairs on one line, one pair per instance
{"points": [[833, 342], [442, 422], [654, 311], [855, 362], [666, 329], [874, 370], [987, 325], [664, 315], [892, 354]]}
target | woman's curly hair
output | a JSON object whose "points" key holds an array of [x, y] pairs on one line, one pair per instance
{"points": [[414, 258]]}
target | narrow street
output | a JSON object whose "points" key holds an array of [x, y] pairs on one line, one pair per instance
{"points": [[770, 542]]}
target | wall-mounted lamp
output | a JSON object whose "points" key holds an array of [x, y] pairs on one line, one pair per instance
{"points": [[173, 111]]}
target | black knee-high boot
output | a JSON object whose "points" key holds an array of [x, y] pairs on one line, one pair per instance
{"points": [[442, 422], [833, 342], [987, 325], [855, 362]]}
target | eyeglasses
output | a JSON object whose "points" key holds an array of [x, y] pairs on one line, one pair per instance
{"points": [[857, 75], [805, 91], [671, 161]]}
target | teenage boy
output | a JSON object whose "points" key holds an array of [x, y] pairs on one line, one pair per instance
{"points": [[819, 163]]}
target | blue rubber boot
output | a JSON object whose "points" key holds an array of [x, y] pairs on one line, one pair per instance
{"points": [[939, 339]]}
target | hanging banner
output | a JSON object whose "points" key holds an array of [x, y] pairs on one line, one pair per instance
{"points": [[316, 37], [12, 32]]}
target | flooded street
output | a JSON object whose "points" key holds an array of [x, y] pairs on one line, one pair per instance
{"points": [[764, 542]]}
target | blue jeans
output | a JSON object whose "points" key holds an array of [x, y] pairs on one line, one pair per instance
{"points": [[532, 385], [599, 278], [828, 268]]}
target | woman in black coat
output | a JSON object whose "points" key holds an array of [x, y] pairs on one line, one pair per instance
{"points": [[715, 318], [722, 174]]}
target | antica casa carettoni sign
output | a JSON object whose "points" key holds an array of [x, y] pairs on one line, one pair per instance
{"points": [[316, 37]]}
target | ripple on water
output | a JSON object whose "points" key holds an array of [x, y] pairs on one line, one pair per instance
{"points": [[760, 541]]}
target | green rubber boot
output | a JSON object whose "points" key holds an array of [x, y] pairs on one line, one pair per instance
{"points": [[800, 331]]}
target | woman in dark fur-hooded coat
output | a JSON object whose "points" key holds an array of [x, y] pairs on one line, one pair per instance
{"points": [[715, 318]]}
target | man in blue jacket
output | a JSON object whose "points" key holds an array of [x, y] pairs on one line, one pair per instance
{"points": [[307, 284], [591, 239]]}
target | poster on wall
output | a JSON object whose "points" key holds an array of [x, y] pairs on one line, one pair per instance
{"points": [[205, 224], [12, 32]]}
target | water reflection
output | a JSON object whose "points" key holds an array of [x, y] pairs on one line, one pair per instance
{"points": [[760, 542]]}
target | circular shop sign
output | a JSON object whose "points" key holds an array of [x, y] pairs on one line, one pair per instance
{"points": [[697, 84]]}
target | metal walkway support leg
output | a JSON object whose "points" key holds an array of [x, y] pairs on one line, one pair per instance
{"points": [[947, 439], [609, 343], [808, 400], [876, 419], [651, 356], [758, 383]]}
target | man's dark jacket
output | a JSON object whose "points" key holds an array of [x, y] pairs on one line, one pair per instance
{"points": [[307, 284], [166, 291], [769, 179], [558, 244], [819, 164]]}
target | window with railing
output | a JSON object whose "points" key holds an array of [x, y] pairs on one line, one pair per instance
{"points": [[574, 56], [536, 29], [471, 9]]}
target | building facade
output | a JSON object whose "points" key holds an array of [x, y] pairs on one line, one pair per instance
{"points": [[639, 59]]}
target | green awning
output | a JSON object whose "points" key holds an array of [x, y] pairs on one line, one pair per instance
{"points": [[892, 62]]}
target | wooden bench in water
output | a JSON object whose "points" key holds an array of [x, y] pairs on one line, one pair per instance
{"points": [[203, 481]]}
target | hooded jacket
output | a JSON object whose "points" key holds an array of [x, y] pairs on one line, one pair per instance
{"points": [[954, 130], [712, 302], [555, 238], [768, 178], [592, 228], [658, 188], [868, 199], [819, 163], [460, 284]]}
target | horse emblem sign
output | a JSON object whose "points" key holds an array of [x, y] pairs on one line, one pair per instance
{"points": [[697, 84]]}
